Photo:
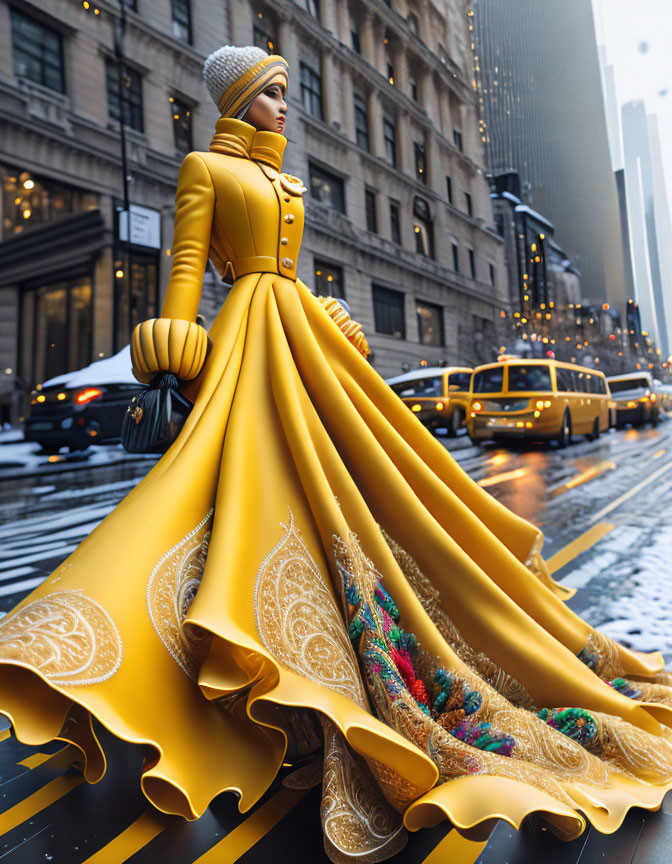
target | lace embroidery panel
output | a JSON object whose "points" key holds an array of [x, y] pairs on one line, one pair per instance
{"points": [[298, 619], [66, 636], [171, 589], [357, 821]]}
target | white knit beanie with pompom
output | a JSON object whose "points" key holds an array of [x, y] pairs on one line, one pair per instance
{"points": [[227, 65]]}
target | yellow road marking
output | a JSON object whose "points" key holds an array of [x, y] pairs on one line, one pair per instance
{"points": [[502, 478], [454, 848], [249, 832], [576, 547], [38, 801], [659, 453], [589, 474], [635, 489], [35, 760], [138, 834]]}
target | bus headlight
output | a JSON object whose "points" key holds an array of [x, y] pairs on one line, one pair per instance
{"points": [[415, 408], [439, 406], [476, 406]]}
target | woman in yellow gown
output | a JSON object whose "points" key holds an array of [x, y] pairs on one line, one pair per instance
{"points": [[306, 564]]}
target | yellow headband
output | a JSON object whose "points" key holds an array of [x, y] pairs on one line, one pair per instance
{"points": [[238, 98]]}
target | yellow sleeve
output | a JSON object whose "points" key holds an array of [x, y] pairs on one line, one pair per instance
{"points": [[194, 210]]}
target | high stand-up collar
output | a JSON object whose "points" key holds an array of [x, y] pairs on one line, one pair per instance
{"points": [[238, 138]]}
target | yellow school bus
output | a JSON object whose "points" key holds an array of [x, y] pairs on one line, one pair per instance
{"points": [[437, 395], [540, 399]]}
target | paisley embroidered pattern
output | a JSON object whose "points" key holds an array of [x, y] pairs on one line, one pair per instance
{"points": [[171, 589], [356, 819], [298, 619], [600, 654], [66, 636]]}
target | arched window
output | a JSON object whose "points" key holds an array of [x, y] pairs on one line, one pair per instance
{"points": [[423, 228]]}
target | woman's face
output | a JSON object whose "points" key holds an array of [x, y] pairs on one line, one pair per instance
{"points": [[268, 111]]}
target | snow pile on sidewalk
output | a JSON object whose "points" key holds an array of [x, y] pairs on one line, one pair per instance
{"points": [[640, 614]]}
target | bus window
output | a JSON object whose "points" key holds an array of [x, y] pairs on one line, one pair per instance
{"points": [[602, 384], [564, 379], [581, 382], [459, 381], [536, 378], [489, 380]]}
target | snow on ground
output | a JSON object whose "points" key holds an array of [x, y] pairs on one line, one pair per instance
{"points": [[639, 612], [26, 456]]}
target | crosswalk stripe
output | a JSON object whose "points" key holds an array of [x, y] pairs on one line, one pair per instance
{"points": [[35, 760], [26, 585], [249, 832], [133, 838], [456, 849], [38, 801]]}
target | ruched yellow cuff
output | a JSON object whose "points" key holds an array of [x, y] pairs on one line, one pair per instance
{"points": [[351, 329], [168, 345]]}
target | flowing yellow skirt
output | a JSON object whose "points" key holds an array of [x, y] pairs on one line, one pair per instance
{"points": [[222, 598]]}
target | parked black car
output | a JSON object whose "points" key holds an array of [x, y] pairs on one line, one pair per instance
{"points": [[83, 407], [635, 399]]}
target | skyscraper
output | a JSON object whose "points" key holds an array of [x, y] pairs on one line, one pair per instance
{"points": [[649, 221], [537, 68]]}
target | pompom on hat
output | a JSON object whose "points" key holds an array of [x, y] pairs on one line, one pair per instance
{"points": [[235, 77]]}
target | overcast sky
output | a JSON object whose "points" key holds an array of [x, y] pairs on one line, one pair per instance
{"points": [[638, 38]]}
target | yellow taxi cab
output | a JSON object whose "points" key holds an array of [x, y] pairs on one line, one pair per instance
{"points": [[437, 395], [537, 399]]}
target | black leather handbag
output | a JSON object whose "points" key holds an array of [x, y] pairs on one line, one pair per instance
{"points": [[155, 416]]}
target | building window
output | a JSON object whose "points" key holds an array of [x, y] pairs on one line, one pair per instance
{"points": [[414, 90], [263, 34], [456, 257], [38, 52], [311, 91], [449, 189], [422, 228], [29, 201], [492, 274], [413, 23], [327, 188], [468, 204], [57, 327], [356, 43], [420, 162], [311, 6], [390, 72], [390, 136], [131, 88], [472, 264], [457, 140], [328, 280], [181, 19], [430, 324], [181, 124], [361, 122], [388, 312], [395, 222], [371, 217]]}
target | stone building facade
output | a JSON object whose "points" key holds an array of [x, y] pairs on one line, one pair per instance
{"points": [[383, 129]]}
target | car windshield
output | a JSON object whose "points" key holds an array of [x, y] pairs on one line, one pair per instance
{"points": [[460, 380], [420, 387], [537, 378], [628, 384], [489, 380]]}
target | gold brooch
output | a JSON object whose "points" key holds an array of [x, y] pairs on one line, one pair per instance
{"points": [[136, 413]]}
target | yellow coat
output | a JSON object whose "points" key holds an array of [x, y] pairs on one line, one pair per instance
{"points": [[298, 475]]}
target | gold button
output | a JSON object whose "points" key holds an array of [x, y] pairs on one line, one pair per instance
{"points": [[284, 241], [287, 262], [289, 218]]}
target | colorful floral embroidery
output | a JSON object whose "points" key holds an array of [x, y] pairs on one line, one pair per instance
{"points": [[391, 656], [575, 723]]}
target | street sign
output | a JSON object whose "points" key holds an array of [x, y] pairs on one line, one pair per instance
{"points": [[145, 226]]}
